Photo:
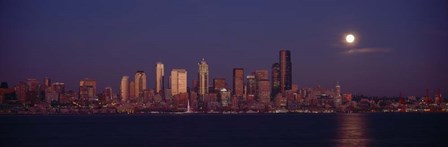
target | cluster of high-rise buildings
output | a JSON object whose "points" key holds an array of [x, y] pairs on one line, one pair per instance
{"points": [[255, 86], [133, 88], [259, 90]]}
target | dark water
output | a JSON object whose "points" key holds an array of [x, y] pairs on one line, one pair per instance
{"points": [[378, 129]]}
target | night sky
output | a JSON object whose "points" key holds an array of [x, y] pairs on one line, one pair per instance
{"points": [[401, 46]]}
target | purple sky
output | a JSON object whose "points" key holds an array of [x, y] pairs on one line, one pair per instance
{"points": [[402, 45]]}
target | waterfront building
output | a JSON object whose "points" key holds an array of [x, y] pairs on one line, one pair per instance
{"points": [[47, 82], [338, 90], [131, 89], [218, 84], [58, 87], [124, 88], [224, 97], [275, 83], [140, 83], [264, 91], [21, 90], [108, 95], [261, 75], [195, 85], [178, 81], [251, 85], [238, 82], [87, 89], [160, 77], [285, 70], [203, 76], [33, 85]]}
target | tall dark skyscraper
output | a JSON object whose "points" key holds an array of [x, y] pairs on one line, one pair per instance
{"points": [[285, 70], [238, 82], [275, 83]]}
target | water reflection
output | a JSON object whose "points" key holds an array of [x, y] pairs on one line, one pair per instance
{"points": [[352, 130]]}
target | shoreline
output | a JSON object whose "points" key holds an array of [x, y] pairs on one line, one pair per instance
{"points": [[201, 113]]}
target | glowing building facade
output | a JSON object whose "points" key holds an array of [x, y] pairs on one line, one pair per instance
{"points": [[160, 77], [203, 76], [131, 89], [124, 88], [251, 86], [140, 84], [87, 89], [178, 81]]}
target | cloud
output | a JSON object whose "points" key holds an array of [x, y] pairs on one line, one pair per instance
{"points": [[367, 50]]}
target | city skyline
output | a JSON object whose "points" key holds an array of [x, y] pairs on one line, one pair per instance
{"points": [[260, 94], [397, 49], [223, 72], [266, 74]]}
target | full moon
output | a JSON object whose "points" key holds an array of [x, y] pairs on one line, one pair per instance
{"points": [[350, 38]]}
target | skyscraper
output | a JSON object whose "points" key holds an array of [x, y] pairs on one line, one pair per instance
{"points": [[203, 77], [338, 90], [33, 85], [263, 91], [160, 77], [58, 87], [47, 82], [238, 81], [108, 94], [131, 89], [87, 88], [251, 85], [178, 81], [124, 88], [33, 91], [261, 75], [140, 83], [218, 84], [195, 85], [54, 91], [275, 83], [285, 70], [21, 90]]}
